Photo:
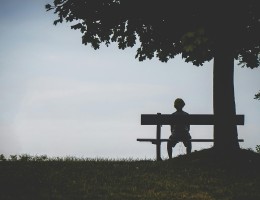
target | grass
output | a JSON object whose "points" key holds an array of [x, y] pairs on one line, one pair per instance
{"points": [[203, 175]]}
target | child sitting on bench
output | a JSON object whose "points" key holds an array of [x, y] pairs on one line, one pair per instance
{"points": [[180, 131]]}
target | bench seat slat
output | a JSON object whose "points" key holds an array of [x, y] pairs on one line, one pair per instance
{"points": [[166, 140], [192, 119]]}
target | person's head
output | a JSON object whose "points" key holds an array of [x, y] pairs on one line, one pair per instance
{"points": [[179, 104]]}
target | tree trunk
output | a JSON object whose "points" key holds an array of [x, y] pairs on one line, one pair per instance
{"points": [[225, 129]]}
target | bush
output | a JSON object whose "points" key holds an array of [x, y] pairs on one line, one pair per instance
{"points": [[257, 148], [2, 157], [13, 158]]}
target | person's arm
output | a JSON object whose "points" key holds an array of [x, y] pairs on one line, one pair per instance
{"points": [[187, 127]]}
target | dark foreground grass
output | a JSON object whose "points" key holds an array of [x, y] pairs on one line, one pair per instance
{"points": [[202, 175]]}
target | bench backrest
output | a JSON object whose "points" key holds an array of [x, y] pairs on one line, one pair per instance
{"points": [[168, 119]]}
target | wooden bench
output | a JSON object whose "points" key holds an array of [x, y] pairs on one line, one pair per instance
{"points": [[169, 119]]}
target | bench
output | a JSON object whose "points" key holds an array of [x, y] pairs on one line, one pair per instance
{"points": [[169, 119]]}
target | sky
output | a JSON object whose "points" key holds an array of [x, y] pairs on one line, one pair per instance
{"points": [[62, 98]]}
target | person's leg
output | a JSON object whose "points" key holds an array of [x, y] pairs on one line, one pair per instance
{"points": [[170, 145], [188, 148], [187, 144], [169, 148]]}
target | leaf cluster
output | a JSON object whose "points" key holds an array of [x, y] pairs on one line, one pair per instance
{"points": [[163, 29], [257, 96], [257, 148]]}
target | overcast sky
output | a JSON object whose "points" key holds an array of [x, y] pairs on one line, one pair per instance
{"points": [[61, 98]]}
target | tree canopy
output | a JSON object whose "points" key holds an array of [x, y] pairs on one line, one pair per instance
{"points": [[194, 29]]}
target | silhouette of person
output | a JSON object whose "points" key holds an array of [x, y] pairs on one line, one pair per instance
{"points": [[180, 131]]}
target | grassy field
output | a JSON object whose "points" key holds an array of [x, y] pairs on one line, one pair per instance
{"points": [[202, 175]]}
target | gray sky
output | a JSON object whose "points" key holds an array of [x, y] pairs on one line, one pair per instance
{"points": [[59, 97]]}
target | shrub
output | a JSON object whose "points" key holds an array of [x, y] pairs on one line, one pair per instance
{"points": [[25, 157], [257, 148], [2, 157], [40, 158], [13, 158]]}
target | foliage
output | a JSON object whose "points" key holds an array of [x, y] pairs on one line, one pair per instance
{"points": [[257, 96], [2, 157], [257, 148], [13, 157], [199, 176], [43, 158], [194, 29], [24, 158]]}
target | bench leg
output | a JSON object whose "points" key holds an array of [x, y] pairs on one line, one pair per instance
{"points": [[158, 143], [158, 151]]}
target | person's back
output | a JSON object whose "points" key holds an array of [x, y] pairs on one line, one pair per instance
{"points": [[180, 128], [179, 131]]}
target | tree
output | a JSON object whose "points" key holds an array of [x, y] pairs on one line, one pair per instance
{"points": [[198, 30]]}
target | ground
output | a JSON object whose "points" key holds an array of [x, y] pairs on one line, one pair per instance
{"points": [[202, 175]]}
